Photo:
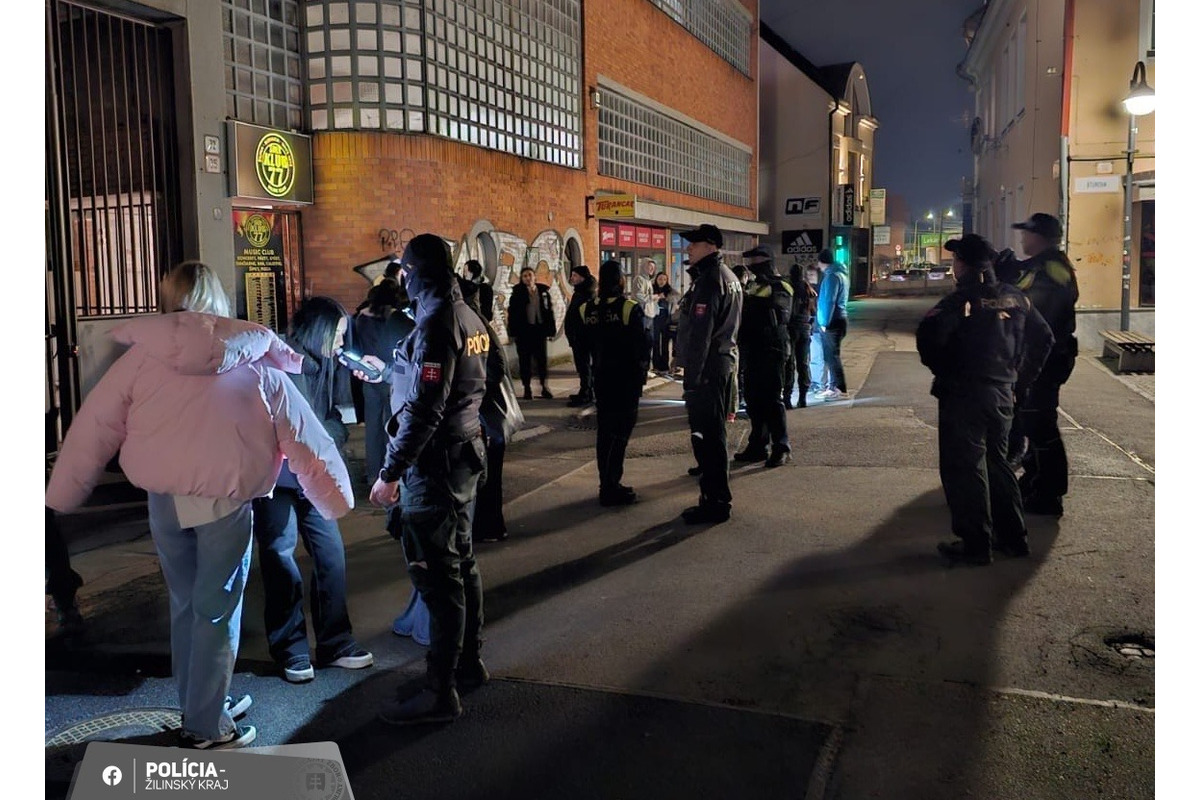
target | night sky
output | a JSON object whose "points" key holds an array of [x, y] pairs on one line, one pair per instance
{"points": [[909, 50]]}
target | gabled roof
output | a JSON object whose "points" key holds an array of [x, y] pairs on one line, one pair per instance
{"points": [[836, 78]]}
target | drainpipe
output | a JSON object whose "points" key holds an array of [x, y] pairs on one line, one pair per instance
{"points": [[1064, 156], [829, 179]]}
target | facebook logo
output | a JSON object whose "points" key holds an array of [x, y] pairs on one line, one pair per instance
{"points": [[112, 776]]}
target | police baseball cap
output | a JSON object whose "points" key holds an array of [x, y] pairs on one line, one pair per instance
{"points": [[705, 233], [761, 251], [973, 249], [1043, 225]]}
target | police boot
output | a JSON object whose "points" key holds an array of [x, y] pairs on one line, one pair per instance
{"points": [[436, 702], [751, 454], [779, 456], [471, 672]]}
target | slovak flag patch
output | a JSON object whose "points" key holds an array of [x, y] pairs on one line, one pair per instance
{"points": [[431, 372], [701, 309]]}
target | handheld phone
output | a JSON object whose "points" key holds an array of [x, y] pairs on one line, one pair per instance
{"points": [[354, 362]]}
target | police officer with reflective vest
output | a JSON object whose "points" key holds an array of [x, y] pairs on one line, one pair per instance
{"points": [[763, 347], [706, 348], [984, 344], [1047, 277], [435, 450], [613, 329]]}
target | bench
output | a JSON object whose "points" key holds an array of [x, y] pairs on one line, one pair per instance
{"points": [[1134, 352]]}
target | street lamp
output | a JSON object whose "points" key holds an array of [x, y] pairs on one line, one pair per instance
{"points": [[949, 214], [1139, 102]]}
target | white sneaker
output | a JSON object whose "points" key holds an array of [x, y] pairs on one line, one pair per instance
{"points": [[240, 736], [356, 658], [239, 707]]}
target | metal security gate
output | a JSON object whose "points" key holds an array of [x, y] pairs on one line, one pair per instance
{"points": [[112, 189]]}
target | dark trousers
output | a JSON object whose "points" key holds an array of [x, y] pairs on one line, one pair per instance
{"points": [[61, 581], [489, 503], [583, 367], [437, 500], [660, 347], [831, 341], [764, 402], [1045, 476], [531, 348], [377, 410], [980, 486], [707, 409], [278, 522], [798, 367], [615, 420]]}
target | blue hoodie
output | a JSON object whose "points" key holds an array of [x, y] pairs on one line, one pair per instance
{"points": [[831, 299]]}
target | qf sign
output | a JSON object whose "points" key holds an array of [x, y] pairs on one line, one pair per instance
{"points": [[802, 205]]}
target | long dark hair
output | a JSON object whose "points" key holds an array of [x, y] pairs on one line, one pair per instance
{"points": [[314, 327]]}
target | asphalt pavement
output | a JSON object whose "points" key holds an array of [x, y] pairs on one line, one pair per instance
{"points": [[814, 646]]}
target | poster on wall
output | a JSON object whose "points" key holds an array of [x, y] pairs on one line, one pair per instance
{"points": [[258, 260]]}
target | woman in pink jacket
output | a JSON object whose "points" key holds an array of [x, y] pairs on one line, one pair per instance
{"points": [[203, 415]]}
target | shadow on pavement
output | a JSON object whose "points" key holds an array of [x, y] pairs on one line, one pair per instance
{"points": [[872, 634]]}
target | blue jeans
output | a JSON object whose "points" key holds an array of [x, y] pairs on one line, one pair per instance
{"points": [[205, 568], [278, 522]]}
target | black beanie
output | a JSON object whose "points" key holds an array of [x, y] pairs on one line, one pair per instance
{"points": [[582, 271]]}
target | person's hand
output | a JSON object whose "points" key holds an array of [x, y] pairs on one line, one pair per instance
{"points": [[373, 361], [385, 494]]}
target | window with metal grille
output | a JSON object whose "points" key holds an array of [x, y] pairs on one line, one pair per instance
{"points": [[643, 145], [262, 62], [721, 25], [502, 74]]}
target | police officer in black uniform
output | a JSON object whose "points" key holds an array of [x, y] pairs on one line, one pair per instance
{"points": [[1047, 277], [615, 334], [763, 348], [707, 350], [435, 449], [983, 343]]}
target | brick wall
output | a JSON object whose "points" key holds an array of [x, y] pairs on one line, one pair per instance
{"points": [[367, 181]]}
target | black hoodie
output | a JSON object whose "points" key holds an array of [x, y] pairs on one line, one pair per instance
{"points": [[439, 376]]}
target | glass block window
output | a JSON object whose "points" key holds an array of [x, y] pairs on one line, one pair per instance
{"points": [[262, 62], [643, 145], [720, 24], [502, 74]]}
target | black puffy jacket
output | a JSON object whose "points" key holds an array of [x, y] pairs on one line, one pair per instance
{"points": [[709, 316], [440, 369]]}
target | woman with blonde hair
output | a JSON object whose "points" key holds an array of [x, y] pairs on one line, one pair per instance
{"points": [[203, 415]]}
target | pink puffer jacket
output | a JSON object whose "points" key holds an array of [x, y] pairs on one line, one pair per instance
{"points": [[200, 406]]}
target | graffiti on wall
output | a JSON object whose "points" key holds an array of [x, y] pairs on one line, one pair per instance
{"points": [[504, 255]]}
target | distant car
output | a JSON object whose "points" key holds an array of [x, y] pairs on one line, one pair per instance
{"points": [[898, 276], [916, 274], [937, 273]]}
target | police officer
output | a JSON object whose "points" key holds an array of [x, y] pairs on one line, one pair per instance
{"points": [[614, 332], [1048, 278], [983, 343], [435, 449], [707, 351], [763, 349]]}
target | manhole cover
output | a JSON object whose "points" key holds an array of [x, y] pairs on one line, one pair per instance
{"points": [[1132, 646], [65, 747], [117, 725]]}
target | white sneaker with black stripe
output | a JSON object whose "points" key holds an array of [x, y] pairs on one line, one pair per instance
{"points": [[240, 736]]}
